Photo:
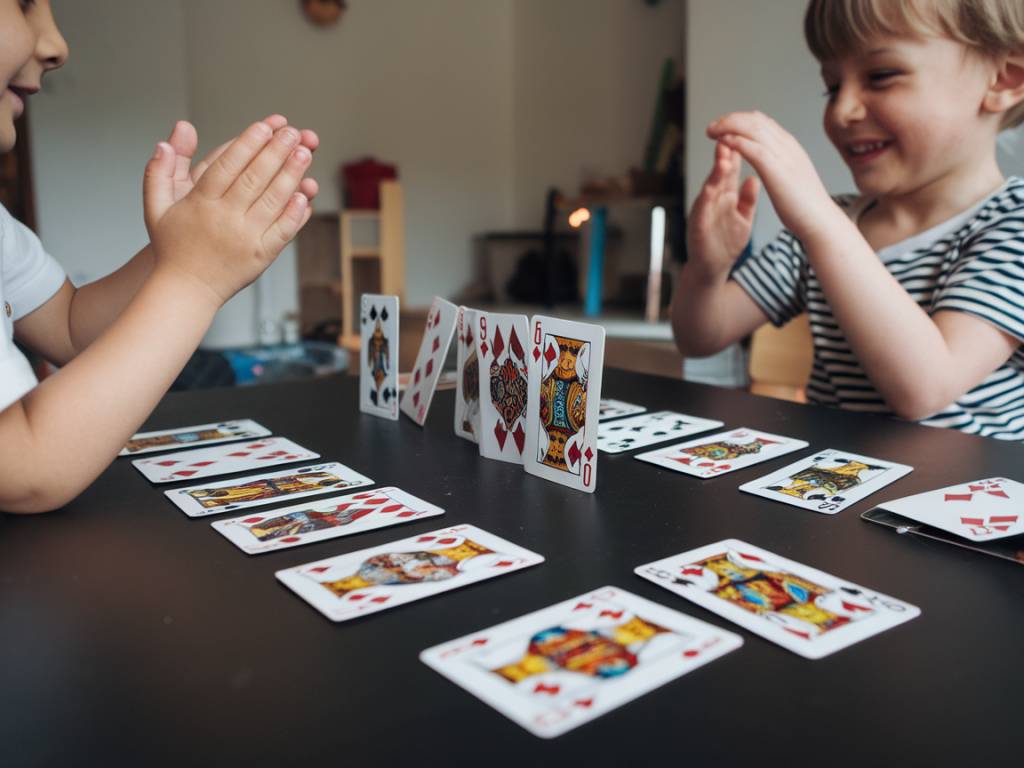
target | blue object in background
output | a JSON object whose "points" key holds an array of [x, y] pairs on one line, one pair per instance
{"points": [[595, 269], [263, 365]]}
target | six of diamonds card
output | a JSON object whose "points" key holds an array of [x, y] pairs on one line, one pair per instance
{"points": [[557, 668], [805, 610], [374, 579], [725, 452], [257, 490], [191, 437], [378, 368], [981, 510], [222, 460]]}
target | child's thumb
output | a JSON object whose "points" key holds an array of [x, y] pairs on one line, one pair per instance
{"points": [[158, 184]]}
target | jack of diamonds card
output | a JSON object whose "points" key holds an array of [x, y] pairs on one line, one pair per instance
{"points": [[222, 459], [437, 335], [378, 369], [557, 668], [981, 510], [566, 364], [307, 523], [807, 611], [504, 384], [724, 452], [372, 580], [467, 376], [190, 437]]}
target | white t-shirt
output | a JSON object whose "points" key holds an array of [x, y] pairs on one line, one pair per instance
{"points": [[29, 277]]}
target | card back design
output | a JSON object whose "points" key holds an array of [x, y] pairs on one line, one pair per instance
{"points": [[255, 491], [222, 460], [437, 336], [504, 384], [191, 437], [467, 377], [555, 669], [378, 371]]}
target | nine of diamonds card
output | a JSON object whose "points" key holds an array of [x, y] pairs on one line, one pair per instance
{"points": [[828, 481], [222, 460], [981, 510], [375, 579], [562, 666], [257, 490], [309, 522], [724, 452], [190, 437], [807, 611]]}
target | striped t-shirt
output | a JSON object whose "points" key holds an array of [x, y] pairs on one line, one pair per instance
{"points": [[972, 263]]}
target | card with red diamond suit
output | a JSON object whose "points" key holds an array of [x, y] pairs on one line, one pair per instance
{"points": [[309, 522], [501, 343], [437, 335], [564, 400], [222, 460], [560, 667], [981, 510], [467, 376], [375, 579]]}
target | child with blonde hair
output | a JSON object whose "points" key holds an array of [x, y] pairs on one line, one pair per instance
{"points": [[915, 287]]}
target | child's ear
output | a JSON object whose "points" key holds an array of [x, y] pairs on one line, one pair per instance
{"points": [[1006, 89]]}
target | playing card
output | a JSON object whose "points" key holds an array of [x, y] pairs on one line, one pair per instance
{"points": [[190, 437], [724, 452], [560, 667], [437, 335], [828, 481], [502, 341], [375, 579], [804, 610], [614, 409], [648, 429], [378, 369], [309, 522], [981, 510], [566, 362], [222, 460], [467, 376], [257, 490]]}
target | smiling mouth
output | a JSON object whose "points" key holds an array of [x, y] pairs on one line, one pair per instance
{"points": [[866, 149]]}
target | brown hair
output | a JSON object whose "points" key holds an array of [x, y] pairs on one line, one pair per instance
{"points": [[838, 28]]}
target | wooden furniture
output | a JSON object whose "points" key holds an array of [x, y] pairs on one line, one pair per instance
{"points": [[780, 360]]}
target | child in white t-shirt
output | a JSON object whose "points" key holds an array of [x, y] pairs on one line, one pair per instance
{"points": [[121, 341]]}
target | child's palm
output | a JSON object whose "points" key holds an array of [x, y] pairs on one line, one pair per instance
{"points": [[723, 214]]}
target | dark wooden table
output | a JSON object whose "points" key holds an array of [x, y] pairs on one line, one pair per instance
{"points": [[133, 635]]}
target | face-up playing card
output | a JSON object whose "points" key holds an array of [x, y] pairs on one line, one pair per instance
{"points": [[648, 429], [828, 481], [257, 490], [191, 437], [725, 452], [222, 459], [502, 343], [375, 579], [306, 523], [378, 369], [437, 335], [981, 510], [557, 668], [807, 611], [467, 376], [566, 361], [614, 409]]}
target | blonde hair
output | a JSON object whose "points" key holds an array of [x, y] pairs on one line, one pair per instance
{"points": [[989, 28]]}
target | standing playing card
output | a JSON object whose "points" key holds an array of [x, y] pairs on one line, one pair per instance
{"points": [[648, 429], [828, 481], [374, 579], [222, 460], [467, 376], [378, 368], [190, 437], [307, 523], [981, 510], [560, 667], [725, 452], [614, 409], [504, 381], [566, 363], [257, 490], [437, 335], [804, 610]]}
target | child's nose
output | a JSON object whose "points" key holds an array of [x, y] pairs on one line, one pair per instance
{"points": [[847, 106]]}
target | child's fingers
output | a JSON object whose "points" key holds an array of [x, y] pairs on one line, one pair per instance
{"points": [[267, 207], [310, 188], [185, 142], [233, 161], [251, 183], [747, 201], [286, 226], [752, 151], [158, 183]]}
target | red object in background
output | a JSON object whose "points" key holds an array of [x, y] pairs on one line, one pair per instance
{"points": [[361, 181]]}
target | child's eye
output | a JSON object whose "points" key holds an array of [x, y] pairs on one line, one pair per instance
{"points": [[830, 91], [882, 76]]}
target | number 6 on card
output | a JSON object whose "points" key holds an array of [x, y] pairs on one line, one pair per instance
{"points": [[566, 361]]}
